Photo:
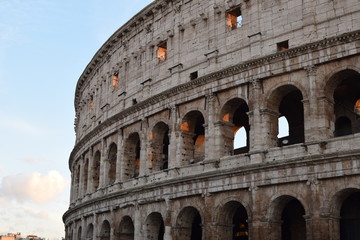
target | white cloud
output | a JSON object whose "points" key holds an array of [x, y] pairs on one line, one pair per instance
{"points": [[33, 187]]}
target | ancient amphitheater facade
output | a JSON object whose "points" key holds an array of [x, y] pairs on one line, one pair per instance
{"points": [[160, 104]]}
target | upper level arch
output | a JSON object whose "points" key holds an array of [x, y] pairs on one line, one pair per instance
{"points": [[159, 147], [125, 230], [189, 224], [193, 137], [132, 150], [286, 100], [112, 160], [343, 90], [234, 118]]}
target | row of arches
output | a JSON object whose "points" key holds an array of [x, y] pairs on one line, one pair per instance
{"points": [[286, 221], [151, 151]]}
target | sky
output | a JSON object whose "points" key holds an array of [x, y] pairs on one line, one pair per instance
{"points": [[44, 47]]}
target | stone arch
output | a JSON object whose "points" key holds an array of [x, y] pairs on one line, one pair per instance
{"points": [[159, 152], [105, 230], [189, 224], [232, 221], [286, 100], [343, 91], [345, 212], [71, 236], [233, 117], [132, 151], [90, 232], [193, 137], [154, 228], [112, 157], [286, 219], [96, 170], [79, 233], [86, 175], [125, 230], [77, 182]]}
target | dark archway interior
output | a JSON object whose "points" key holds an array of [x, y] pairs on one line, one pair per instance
{"points": [[160, 141], [346, 95], [105, 231], [291, 107], [90, 232], [350, 218], [126, 229], [96, 170], [165, 151], [293, 223], [112, 160], [240, 224], [241, 119], [196, 229]]}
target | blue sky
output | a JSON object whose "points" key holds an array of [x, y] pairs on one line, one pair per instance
{"points": [[44, 47]]}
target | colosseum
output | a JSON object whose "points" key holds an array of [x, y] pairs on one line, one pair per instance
{"points": [[221, 120]]}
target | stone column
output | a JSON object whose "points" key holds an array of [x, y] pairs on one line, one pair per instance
{"points": [[167, 221], [256, 142], [209, 128], [269, 129], [119, 159], [144, 148], [179, 148], [81, 189], [207, 226], [138, 233], [90, 187], [103, 165], [173, 137], [72, 187]]}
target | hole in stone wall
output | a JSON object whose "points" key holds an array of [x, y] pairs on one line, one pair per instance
{"points": [[234, 19]]}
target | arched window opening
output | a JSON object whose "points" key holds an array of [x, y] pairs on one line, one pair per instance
{"points": [[105, 231], [90, 232], [293, 225], [343, 127], [193, 135], [291, 107], [112, 163], [240, 224], [79, 237], [96, 170], [241, 122], [196, 229], [350, 218], [154, 227], [77, 182], [126, 229], [283, 127], [71, 236], [86, 174], [235, 127], [132, 156], [159, 147], [189, 224], [233, 221], [347, 103]]}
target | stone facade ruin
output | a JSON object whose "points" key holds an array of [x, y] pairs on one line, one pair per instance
{"points": [[159, 106]]}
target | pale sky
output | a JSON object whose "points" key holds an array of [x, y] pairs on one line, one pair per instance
{"points": [[44, 47]]}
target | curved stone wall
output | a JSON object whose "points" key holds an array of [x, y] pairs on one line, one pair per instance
{"points": [[161, 102]]}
